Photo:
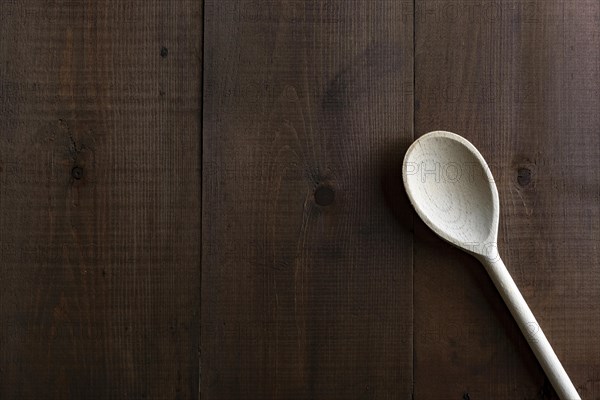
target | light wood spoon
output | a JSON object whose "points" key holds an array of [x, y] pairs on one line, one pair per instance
{"points": [[453, 191]]}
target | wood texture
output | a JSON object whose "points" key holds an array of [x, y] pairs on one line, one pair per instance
{"points": [[520, 81], [307, 283], [99, 199], [307, 275]]}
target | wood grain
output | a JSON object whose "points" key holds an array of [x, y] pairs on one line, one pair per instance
{"points": [[99, 199], [520, 80], [307, 275], [307, 250]]}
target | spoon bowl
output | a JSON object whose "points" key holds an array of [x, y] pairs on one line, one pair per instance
{"points": [[452, 189]]}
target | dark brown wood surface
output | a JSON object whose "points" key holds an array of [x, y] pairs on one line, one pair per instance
{"points": [[307, 275], [99, 199], [236, 228], [521, 81]]}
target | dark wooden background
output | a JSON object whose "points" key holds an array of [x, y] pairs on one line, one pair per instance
{"points": [[204, 200]]}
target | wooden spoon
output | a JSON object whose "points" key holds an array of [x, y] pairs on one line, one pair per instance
{"points": [[453, 191]]}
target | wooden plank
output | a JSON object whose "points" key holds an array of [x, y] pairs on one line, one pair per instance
{"points": [[99, 199], [520, 80], [307, 278]]}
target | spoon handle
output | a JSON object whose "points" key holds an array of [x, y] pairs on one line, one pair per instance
{"points": [[530, 328]]}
